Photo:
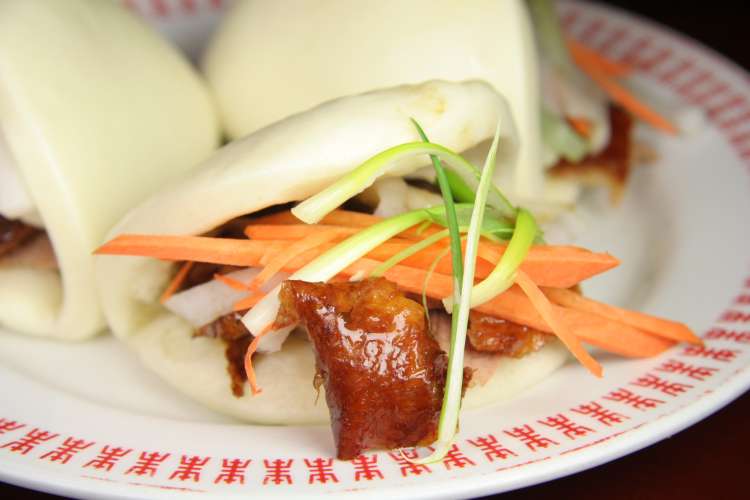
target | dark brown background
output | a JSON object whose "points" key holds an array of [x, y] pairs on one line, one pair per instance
{"points": [[710, 459]]}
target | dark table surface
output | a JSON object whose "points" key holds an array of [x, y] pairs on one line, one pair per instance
{"points": [[709, 459]]}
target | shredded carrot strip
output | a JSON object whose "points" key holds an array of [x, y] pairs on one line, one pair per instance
{"points": [[294, 231], [581, 125], [248, 301], [177, 281], [584, 55], [309, 242], [662, 327], [543, 306], [627, 100], [269, 232], [232, 283], [231, 252], [249, 370]]}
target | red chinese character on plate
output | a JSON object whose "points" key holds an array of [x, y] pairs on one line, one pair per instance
{"points": [[700, 351], [600, 413], [190, 468], [108, 457], [148, 463], [695, 372], [9, 426], [31, 440], [277, 471], [454, 457], [741, 337], [664, 386], [491, 447], [366, 468], [405, 460], [67, 450], [732, 316], [743, 299], [628, 397], [569, 428], [321, 470], [232, 471], [532, 439]]}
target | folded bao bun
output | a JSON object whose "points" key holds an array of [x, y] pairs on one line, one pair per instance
{"points": [[286, 161], [96, 112], [270, 59]]}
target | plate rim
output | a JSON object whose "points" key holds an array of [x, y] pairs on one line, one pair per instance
{"points": [[630, 441]]}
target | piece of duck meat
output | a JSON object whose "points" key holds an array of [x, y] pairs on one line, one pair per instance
{"points": [[14, 234], [383, 373], [498, 336]]}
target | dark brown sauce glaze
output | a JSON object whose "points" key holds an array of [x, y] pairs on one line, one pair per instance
{"points": [[502, 337], [14, 234], [383, 372], [612, 165], [236, 338]]}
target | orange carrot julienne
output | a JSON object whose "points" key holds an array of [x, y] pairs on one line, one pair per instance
{"points": [[272, 249], [581, 125], [298, 231], [513, 305], [177, 281], [226, 251], [663, 327], [627, 100], [232, 283], [584, 55], [559, 267], [309, 242], [248, 302], [249, 370], [294, 231], [556, 324]]}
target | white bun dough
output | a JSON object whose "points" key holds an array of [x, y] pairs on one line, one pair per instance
{"points": [[289, 160], [271, 59], [97, 112]]}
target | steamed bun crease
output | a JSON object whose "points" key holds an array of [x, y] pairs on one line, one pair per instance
{"points": [[565, 97], [252, 303], [96, 112]]}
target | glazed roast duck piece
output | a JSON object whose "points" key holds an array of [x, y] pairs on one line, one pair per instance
{"points": [[382, 371]]}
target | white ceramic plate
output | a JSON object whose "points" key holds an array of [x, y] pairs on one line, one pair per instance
{"points": [[86, 420]]}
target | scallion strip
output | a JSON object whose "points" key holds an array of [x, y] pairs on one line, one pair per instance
{"points": [[501, 278], [448, 422], [408, 252], [316, 207], [462, 192], [452, 222], [332, 262]]}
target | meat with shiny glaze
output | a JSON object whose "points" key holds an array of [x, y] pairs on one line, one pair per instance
{"points": [[383, 372], [498, 336]]}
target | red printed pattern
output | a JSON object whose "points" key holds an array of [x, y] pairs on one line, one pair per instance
{"points": [[697, 85]]}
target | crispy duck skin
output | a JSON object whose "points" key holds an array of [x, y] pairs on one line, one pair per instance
{"points": [[498, 336], [383, 372]]}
